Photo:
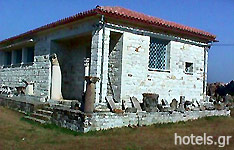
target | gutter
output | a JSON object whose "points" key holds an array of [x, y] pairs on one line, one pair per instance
{"points": [[205, 71]]}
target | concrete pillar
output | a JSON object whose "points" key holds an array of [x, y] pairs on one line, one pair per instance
{"points": [[90, 94], [56, 79], [105, 61], [99, 62], [95, 66]]}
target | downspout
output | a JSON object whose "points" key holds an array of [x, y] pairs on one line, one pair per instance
{"points": [[205, 71], [103, 43]]}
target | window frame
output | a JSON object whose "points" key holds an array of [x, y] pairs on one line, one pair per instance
{"points": [[26, 54], [186, 72], [167, 57]]}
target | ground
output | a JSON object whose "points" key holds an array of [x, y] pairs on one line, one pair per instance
{"points": [[17, 133]]}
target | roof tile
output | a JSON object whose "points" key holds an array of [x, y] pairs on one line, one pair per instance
{"points": [[124, 14]]}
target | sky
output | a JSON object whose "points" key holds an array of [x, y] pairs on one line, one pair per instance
{"points": [[214, 16]]}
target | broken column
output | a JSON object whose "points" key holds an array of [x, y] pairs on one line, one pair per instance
{"points": [[56, 92], [150, 101], [90, 93], [181, 104], [29, 88], [174, 104]]}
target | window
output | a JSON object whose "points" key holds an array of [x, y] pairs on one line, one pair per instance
{"points": [[18, 56], [188, 67], [7, 58], [158, 54], [30, 54]]}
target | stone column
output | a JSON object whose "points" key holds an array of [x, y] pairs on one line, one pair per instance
{"points": [[56, 92], [29, 89], [86, 68], [90, 94]]}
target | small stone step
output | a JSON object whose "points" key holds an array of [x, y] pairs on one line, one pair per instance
{"points": [[45, 112], [47, 108], [41, 116], [35, 119], [63, 106]]}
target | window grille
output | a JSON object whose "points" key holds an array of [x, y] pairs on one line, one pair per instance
{"points": [[158, 54]]}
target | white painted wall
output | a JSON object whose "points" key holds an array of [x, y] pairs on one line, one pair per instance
{"points": [[137, 79]]}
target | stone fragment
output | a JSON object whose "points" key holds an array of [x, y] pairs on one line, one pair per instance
{"points": [[111, 102], [136, 103], [181, 107], [160, 107], [101, 108], [187, 105], [228, 99], [164, 102], [150, 102], [118, 111], [219, 106], [151, 109], [131, 110], [168, 109], [208, 106], [174, 104]]}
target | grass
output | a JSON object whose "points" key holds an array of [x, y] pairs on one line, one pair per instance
{"points": [[18, 133]]}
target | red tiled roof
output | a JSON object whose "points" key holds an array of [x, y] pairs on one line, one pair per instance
{"points": [[125, 14]]}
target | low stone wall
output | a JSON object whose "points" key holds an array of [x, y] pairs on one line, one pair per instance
{"points": [[83, 122], [22, 105], [67, 118], [102, 121]]}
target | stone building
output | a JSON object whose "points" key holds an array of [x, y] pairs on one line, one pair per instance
{"points": [[131, 53]]}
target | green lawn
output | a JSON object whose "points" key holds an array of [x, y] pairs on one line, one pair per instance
{"points": [[17, 133]]}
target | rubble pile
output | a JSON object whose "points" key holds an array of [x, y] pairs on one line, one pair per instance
{"points": [[221, 93]]}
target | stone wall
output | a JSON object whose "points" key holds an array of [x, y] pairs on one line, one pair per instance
{"points": [[102, 121], [20, 104], [173, 83], [115, 65], [71, 54], [71, 119], [37, 72], [81, 122]]}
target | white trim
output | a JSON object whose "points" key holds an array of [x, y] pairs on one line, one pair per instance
{"points": [[157, 35]]}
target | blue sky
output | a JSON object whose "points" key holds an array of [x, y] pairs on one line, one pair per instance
{"points": [[215, 16]]}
